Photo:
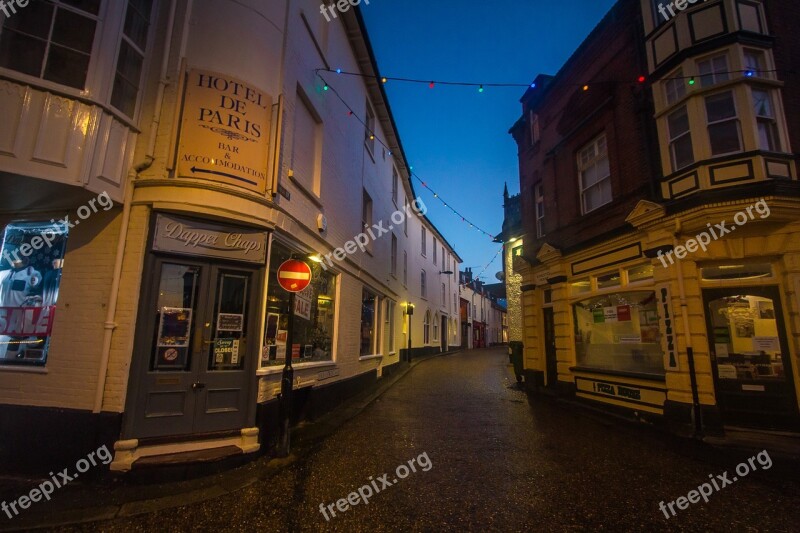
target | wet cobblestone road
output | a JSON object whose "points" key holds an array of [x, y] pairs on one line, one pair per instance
{"points": [[500, 462]]}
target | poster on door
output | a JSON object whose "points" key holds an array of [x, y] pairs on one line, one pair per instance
{"points": [[226, 351]]}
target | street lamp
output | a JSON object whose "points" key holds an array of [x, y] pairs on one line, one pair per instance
{"points": [[409, 312]]}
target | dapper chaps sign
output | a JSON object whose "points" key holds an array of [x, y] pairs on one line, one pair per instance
{"points": [[224, 131], [185, 236]]}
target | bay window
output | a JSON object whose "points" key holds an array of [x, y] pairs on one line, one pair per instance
{"points": [[680, 139], [51, 40], [713, 70], [768, 137], [723, 124]]}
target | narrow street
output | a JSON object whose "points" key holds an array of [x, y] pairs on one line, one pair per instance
{"points": [[497, 462]]}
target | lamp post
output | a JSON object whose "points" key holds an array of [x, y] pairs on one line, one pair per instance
{"points": [[409, 312]]}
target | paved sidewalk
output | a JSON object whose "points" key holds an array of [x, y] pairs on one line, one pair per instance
{"points": [[82, 503]]}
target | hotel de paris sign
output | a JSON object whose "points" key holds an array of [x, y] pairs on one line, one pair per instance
{"points": [[224, 131]]}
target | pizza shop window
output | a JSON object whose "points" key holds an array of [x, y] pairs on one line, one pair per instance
{"points": [[31, 257], [312, 316], [619, 332]]}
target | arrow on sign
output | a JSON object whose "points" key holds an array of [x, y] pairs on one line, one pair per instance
{"points": [[204, 171]]}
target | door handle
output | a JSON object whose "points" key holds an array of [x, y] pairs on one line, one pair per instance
{"points": [[198, 386]]}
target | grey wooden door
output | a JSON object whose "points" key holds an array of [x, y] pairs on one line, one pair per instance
{"points": [[194, 350]]}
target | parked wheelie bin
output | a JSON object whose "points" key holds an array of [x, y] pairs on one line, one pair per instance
{"points": [[515, 354]]}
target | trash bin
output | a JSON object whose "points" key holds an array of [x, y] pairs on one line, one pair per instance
{"points": [[515, 355]]}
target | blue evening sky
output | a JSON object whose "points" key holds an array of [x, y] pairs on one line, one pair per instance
{"points": [[455, 138]]}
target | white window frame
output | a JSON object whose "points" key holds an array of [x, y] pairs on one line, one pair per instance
{"points": [[770, 121], [716, 75], [734, 118], [673, 140], [424, 241], [675, 88], [595, 159]]}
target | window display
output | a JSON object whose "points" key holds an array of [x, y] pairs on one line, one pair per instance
{"points": [[746, 339], [312, 316], [31, 258], [619, 332]]}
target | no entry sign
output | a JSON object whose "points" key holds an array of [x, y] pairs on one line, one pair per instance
{"points": [[294, 275]]}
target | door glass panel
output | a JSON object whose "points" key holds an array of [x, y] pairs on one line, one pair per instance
{"points": [[175, 313], [227, 347], [745, 339]]}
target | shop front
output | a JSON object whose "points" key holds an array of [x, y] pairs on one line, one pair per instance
{"points": [[749, 346], [619, 351], [197, 337]]}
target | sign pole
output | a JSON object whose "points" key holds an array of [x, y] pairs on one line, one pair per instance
{"points": [[287, 378], [293, 276]]}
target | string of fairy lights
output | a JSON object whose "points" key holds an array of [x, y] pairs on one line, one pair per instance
{"points": [[351, 112], [481, 87]]}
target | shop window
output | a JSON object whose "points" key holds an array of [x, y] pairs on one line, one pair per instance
{"points": [[768, 137], [595, 175], [31, 257], [580, 286], [51, 40], [128, 76], [312, 316], [607, 281], [640, 273], [517, 251], [736, 272], [713, 71], [619, 332], [368, 317], [426, 328], [436, 327], [723, 124], [680, 139]]}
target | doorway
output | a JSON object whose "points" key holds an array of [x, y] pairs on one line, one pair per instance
{"points": [[551, 357], [195, 350], [750, 357]]}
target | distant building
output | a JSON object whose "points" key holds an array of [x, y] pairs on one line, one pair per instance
{"points": [[661, 217], [512, 237]]}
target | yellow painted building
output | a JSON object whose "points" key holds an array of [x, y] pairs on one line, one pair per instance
{"points": [[674, 293]]}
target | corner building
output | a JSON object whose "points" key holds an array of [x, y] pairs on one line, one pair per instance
{"points": [[194, 147], [673, 127]]}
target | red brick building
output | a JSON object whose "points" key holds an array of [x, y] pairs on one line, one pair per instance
{"points": [[654, 132]]}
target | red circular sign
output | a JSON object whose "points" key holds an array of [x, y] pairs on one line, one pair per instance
{"points": [[294, 275]]}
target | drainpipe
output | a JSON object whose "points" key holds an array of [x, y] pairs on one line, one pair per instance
{"points": [[110, 325], [697, 418]]}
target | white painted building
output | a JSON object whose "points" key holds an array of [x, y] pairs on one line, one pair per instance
{"points": [[199, 140]]}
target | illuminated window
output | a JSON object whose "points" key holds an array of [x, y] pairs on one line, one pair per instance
{"points": [[30, 277]]}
